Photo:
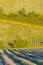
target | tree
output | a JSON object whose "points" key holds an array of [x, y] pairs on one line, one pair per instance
{"points": [[22, 11]]}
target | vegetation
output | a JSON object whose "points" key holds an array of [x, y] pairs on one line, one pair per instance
{"points": [[18, 43]]}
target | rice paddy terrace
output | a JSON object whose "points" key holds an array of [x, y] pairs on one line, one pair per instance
{"points": [[21, 57], [25, 27]]}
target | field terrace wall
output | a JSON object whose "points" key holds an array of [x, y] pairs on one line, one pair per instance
{"points": [[8, 32]]}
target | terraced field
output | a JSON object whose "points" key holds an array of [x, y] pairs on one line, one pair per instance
{"points": [[21, 57], [9, 30]]}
